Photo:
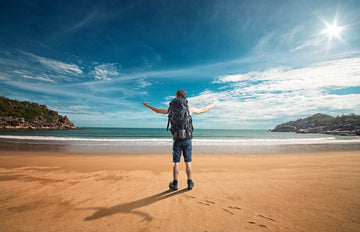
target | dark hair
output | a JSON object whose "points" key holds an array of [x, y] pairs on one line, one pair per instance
{"points": [[181, 93]]}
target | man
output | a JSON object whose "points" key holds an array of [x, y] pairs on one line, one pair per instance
{"points": [[181, 136]]}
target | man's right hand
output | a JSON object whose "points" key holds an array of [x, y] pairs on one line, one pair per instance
{"points": [[146, 104]]}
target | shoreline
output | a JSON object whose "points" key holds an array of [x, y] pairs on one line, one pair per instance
{"points": [[165, 147], [157, 140], [127, 192]]}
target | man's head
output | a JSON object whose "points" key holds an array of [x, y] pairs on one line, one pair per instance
{"points": [[181, 93]]}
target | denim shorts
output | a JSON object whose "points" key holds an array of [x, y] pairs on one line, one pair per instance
{"points": [[185, 146]]}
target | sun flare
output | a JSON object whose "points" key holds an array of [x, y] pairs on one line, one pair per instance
{"points": [[333, 30]]}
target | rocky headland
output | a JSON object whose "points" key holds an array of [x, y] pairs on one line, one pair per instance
{"points": [[323, 124], [23, 115]]}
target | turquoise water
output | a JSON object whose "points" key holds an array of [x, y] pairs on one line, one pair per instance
{"points": [[158, 140], [161, 133]]}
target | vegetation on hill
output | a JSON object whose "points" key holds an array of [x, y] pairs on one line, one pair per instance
{"points": [[322, 123], [317, 120], [27, 110], [16, 114]]}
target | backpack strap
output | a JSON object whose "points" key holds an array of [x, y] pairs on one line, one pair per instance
{"points": [[167, 128], [187, 109], [189, 115]]}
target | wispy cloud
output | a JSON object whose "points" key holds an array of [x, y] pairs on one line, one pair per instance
{"points": [[88, 18], [56, 66], [77, 109], [20, 64], [293, 34], [311, 43], [31, 76], [60, 67]]}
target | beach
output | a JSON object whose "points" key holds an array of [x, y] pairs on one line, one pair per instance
{"points": [[57, 191]]}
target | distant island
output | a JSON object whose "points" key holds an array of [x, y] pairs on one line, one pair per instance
{"points": [[323, 124], [24, 115]]}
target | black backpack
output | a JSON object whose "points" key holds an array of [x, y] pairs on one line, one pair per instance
{"points": [[180, 119]]}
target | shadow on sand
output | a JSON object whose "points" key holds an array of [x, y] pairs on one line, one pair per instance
{"points": [[131, 207]]}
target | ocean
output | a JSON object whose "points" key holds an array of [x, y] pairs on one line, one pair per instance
{"points": [[158, 140]]}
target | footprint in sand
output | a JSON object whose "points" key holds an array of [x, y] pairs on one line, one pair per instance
{"points": [[210, 202], [231, 207], [228, 211], [202, 203], [189, 197], [207, 203], [268, 218], [234, 207], [261, 225]]}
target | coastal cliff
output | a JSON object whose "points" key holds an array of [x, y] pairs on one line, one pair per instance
{"points": [[28, 115], [323, 124]]}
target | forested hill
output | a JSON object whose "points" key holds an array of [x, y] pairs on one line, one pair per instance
{"points": [[16, 114], [324, 124]]}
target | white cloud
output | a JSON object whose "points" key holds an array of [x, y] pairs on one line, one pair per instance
{"points": [[205, 98], [143, 83], [106, 71], [251, 76], [337, 73], [281, 93]]}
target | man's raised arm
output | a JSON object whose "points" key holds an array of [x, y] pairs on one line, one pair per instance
{"points": [[159, 111], [203, 110]]}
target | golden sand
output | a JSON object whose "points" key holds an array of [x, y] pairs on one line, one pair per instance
{"points": [[129, 192]]}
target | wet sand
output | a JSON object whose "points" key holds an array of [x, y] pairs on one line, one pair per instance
{"points": [[67, 147], [42, 191]]}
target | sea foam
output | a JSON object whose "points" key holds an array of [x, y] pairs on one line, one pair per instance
{"points": [[162, 141]]}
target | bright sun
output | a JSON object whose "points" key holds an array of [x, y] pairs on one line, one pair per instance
{"points": [[333, 30]]}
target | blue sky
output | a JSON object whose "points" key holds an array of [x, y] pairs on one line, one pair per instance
{"points": [[265, 61]]}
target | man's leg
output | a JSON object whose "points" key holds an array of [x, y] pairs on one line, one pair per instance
{"points": [[188, 170], [173, 185], [176, 171], [187, 157], [176, 160]]}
